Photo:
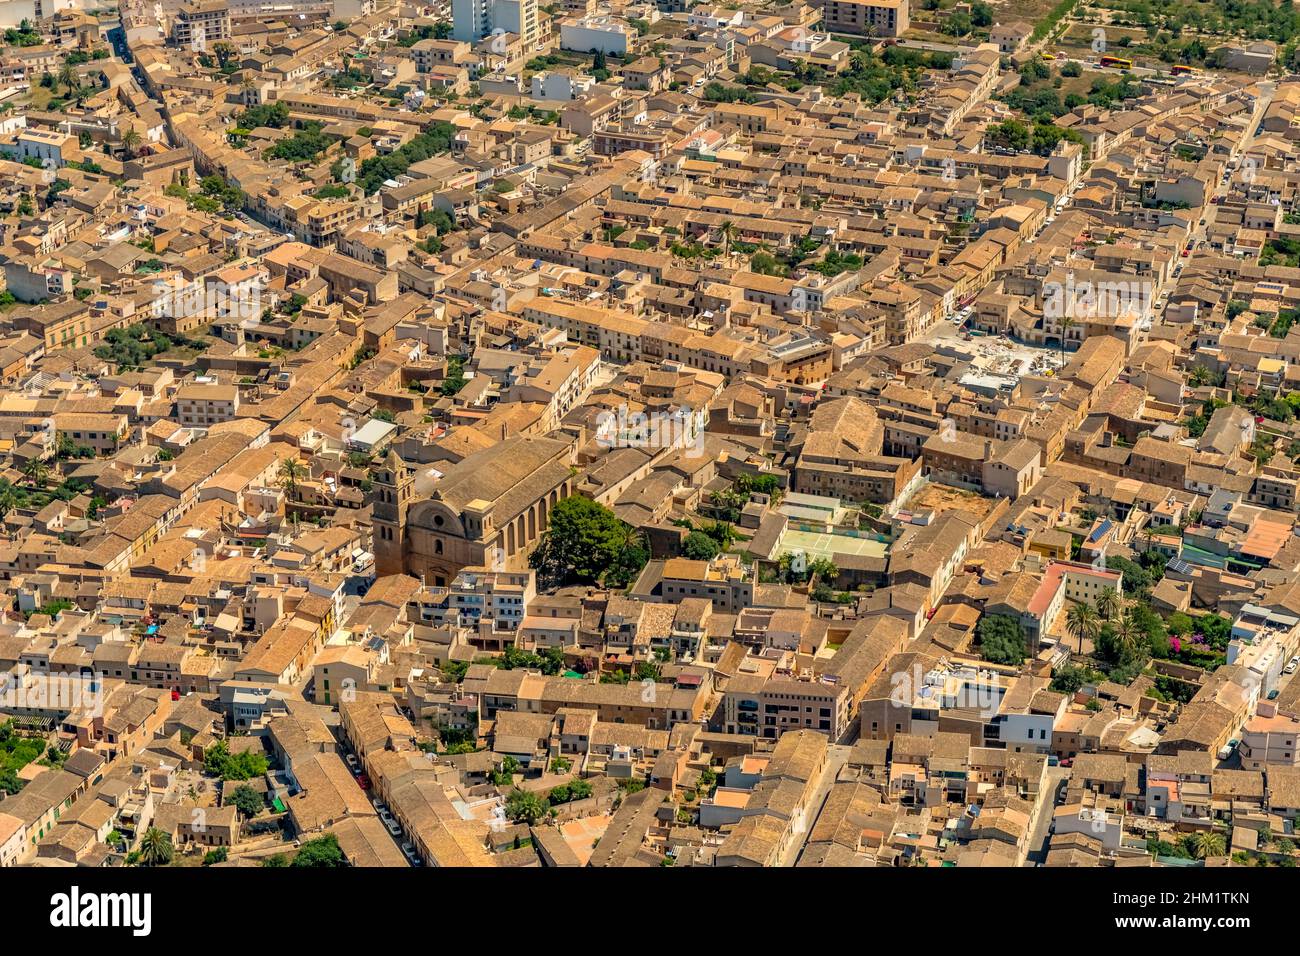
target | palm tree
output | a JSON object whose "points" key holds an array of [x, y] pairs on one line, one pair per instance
{"points": [[728, 230], [291, 470], [156, 847], [1206, 845], [1083, 623], [1067, 323], [8, 498], [36, 471], [130, 142], [1108, 604], [224, 52], [1127, 633], [67, 75]]}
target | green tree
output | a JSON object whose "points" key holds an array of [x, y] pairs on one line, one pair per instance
{"points": [[1083, 623], [585, 542], [36, 471], [1033, 71], [700, 547], [291, 470], [525, 807], [958, 24], [1128, 634], [219, 855], [67, 76], [455, 378], [647, 670], [1206, 844], [728, 233], [247, 801], [504, 776], [1009, 134], [323, 851], [1108, 604], [823, 569], [1002, 639], [156, 847], [220, 762], [1135, 578], [1070, 678], [10, 782]]}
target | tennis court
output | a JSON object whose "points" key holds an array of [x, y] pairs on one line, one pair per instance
{"points": [[818, 545]]}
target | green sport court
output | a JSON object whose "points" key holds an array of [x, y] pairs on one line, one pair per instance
{"points": [[819, 545]]}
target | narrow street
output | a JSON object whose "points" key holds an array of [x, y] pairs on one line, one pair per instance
{"points": [[837, 755], [1057, 780]]}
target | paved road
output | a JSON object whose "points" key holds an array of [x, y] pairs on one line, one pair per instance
{"points": [[836, 756], [1221, 188], [1056, 783]]}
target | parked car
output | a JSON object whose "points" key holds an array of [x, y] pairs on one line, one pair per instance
{"points": [[393, 828], [351, 761]]}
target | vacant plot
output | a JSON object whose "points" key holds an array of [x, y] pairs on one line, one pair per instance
{"points": [[1027, 11], [941, 498], [1078, 40]]}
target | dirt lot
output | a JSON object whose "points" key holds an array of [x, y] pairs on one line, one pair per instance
{"points": [[942, 498], [1030, 11]]}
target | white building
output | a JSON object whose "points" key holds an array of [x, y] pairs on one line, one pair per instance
{"points": [[472, 20], [560, 86], [604, 34], [49, 146]]}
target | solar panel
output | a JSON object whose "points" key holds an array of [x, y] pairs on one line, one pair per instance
{"points": [[1100, 530]]}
